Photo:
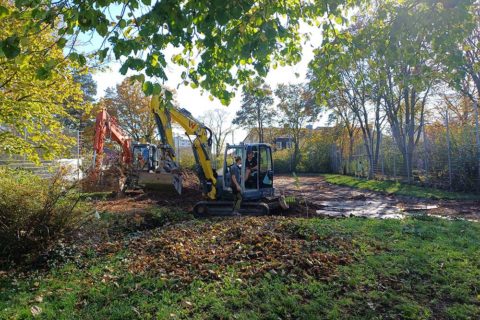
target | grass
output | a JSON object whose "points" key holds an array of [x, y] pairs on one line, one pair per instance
{"points": [[398, 188], [418, 268]]}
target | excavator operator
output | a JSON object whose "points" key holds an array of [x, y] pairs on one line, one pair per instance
{"points": [[251, 167]]}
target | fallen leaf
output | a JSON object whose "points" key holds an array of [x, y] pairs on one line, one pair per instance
{"points": [[35, 310]]}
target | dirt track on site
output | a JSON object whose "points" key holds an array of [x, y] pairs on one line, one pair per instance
{"points": [[312, 192], [329, 199]]}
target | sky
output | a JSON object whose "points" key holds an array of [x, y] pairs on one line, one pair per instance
{"points": [[199, 105]]}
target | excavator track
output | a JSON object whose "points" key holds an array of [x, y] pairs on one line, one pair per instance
{"points": [[224, 208]]}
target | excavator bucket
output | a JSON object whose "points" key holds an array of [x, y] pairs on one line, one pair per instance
{"points": [[164, 182]]}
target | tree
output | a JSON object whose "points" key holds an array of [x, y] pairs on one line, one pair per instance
{"points": [[461, 62], [234, 41], [31, 106], [351, 90], [393, 44], [256, 111], [217, 120], [88, 86], [297, 107], [131, 107], [78, 119]]}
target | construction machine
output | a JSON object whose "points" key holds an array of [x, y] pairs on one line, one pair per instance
{"points": [[258, 192], [141, 164]]}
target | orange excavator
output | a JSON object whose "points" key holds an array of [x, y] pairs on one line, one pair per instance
{"points": [[142, 165], [105, 124]]}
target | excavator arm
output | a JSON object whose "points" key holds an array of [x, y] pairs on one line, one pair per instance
{"points": [[105, 125], [201, 144]]}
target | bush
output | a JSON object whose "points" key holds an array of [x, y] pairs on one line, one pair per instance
{"points": [[281, 161], [34, 212], [187, 161]]}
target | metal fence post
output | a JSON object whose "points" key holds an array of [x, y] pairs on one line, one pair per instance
{"points": [[394, 166], [78, 155], [449, 151], [425, 149], [477, 139]]}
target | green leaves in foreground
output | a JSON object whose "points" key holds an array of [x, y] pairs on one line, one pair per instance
{"points": [[219, 44]]}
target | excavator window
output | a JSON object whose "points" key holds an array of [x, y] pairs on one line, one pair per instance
{"points": [[142, 157], [252, 165], [265, 172]]}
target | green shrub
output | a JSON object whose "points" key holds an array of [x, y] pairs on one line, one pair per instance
{"points": [[34, 212], [187, 161], [281, 161]]}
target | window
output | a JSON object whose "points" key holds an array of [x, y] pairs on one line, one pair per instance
{"points": [[279, 145], [265, 167]]}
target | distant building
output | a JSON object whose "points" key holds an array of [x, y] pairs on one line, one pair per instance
{"points": [[278, 137], [181, 142]]}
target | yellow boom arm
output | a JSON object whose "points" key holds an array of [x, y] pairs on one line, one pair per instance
{"points": [[201, 144]]}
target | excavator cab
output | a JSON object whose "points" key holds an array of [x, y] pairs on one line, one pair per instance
{"points": [[257, 190], [256, 164], [145, 157]]}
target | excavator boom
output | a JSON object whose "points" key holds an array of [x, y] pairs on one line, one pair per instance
{"points": [[201, 144], [107, 125]]}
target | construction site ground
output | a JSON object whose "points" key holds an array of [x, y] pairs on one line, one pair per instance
{"points": [[143, 256], [308, 195]]}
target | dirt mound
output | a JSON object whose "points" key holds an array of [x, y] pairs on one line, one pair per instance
{"points": [[111, 179]]}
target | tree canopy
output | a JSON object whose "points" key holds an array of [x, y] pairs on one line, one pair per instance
{"points": [[131, 107], [220, 44], [256, 111], [31, 106]]}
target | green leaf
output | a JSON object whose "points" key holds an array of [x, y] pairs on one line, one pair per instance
{"points": [[61, 43], [82, 60], [3, 12], [102, 29], [147, 88], [43, 73], [157, 89], [154, 60], [102, 54], [123, 70], [11, 47]]}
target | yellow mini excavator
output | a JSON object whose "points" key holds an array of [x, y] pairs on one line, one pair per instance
{"points": [[258, 192]]}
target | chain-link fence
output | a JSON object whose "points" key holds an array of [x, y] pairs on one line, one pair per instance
{"points": [[446, 156]]}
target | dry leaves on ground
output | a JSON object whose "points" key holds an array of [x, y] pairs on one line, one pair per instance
{"points": [[248, 246]]}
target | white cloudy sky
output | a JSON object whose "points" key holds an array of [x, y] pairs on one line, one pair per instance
{"points": [[198, 105]]}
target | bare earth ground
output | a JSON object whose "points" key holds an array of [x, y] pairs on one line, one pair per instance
{"points": [[312, 192], [333, 200]]}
